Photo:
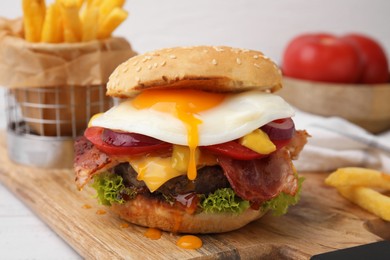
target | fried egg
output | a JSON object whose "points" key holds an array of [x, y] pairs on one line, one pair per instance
{"points": [[171, 115]]}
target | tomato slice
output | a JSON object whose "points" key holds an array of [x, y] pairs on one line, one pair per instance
{"points": [[95, 134], [137, 144], [235, 150]]}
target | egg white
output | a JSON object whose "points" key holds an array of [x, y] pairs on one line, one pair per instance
{"points": [[237, 115]]}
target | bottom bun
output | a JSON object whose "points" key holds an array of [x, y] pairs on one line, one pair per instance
{"points": [[154, 213]]}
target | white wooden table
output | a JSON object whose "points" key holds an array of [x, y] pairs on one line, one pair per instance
{"points": [[25, 236]]}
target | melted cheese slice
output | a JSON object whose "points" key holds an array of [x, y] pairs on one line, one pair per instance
{"points": [[154, 171]]}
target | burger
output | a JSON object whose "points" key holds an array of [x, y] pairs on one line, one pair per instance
{"points": [[197, 144]]}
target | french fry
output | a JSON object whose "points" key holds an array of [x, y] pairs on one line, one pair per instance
{"points": [[111, 22], [52, 31], [80, 3], [71, 20], [368, 199], [72, 24], [90, 26], [357, 185], [106, 7], [33, 17], [354, 176], [94, 2]]}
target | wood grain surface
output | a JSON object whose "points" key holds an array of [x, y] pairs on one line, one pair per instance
{"points": [[322, 221]]}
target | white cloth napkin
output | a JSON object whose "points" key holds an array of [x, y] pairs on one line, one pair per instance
{"points": [[336, 143]]}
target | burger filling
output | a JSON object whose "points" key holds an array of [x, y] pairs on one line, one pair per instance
{"points": [[254, 171]]}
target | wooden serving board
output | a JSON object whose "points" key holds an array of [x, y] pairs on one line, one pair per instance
{"points": [[322, 221]]}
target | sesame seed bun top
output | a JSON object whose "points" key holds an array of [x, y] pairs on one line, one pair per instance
{"points": [[210, 68]]}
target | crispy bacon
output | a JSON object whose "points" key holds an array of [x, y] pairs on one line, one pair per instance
{"points": [[89, 161], [262, 179], [297, 143]]}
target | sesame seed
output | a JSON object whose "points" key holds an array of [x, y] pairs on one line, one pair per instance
{"points": [[146, 58], [150, 66], [138, 69], [137, 79], [205, 50], [155, 65], [172, 56], [238, 60], [214, 61], [135, 63], [256, 65], [256, 56], [218, 49], [163, 63], [125, 69]]}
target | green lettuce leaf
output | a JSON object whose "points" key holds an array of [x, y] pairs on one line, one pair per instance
{"points": [[223, 200], [279, 205], [110, 189]]}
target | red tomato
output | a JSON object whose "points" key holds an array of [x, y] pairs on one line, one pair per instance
{"points": [[322, 57], [94, 135], [376, 67], [231, 149], [235, 150]]}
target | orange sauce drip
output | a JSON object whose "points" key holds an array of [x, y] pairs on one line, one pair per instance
{"points": [[100, 212], [86, 206], [189, 242], [153, 233], [188, 201], [185, 105], [124, 225]]}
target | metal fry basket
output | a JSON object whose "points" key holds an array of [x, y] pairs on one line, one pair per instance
{"points": [[43, 122]]}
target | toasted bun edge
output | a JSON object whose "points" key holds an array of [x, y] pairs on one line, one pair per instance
{"points": [[209, 68], [155, 214]]}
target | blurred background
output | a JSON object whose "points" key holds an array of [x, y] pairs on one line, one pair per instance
{"points": [[253, 24]]}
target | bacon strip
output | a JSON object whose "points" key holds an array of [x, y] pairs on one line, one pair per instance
{"points": [[262, 179], [297, 143], [89, 161]]}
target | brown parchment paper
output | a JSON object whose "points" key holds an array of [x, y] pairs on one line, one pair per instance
{"points": [[73, 67], [25, 64]]}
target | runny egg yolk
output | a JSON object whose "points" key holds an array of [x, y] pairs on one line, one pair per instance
{"points": [[185, 105]]}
